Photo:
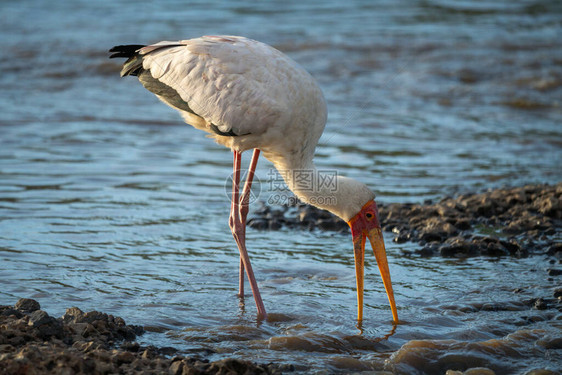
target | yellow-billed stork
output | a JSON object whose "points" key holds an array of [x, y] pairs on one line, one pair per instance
{"points": [[249, 96]]}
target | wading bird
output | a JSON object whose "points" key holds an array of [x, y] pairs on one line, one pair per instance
{"points": [[249, 96]]}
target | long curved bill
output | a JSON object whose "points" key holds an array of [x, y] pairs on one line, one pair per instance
{"points": [[377, 242]]}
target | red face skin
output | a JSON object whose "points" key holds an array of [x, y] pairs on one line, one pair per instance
{"points": [[366, 225]]}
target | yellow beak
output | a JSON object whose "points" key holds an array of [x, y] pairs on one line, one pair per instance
{"points": [[377, 242]]}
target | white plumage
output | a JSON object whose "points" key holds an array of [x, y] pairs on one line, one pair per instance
{"points": [[239, 85], [248, 95]]}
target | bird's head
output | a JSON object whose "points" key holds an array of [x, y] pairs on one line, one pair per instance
{"points": [[365, 224], [363, 218]]}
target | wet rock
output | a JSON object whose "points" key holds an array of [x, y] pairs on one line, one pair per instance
{"points": [[95, 323], [540, 304], [485, 206], [123, 357], [457, 246], [72, 315], [231, 366], [495, 249], [472, 371], [332, 225], [549, 206], [27, 305], [554, 272], [167, 351], [275, 225], [542, 372], [38, 318], [177, 368], [462, 224], [427, 251], [46, 325], [33, 342], [131, 346], [555, 249], [402, 237], [92, 316], [526, 320], [431, 236], [512, 247], [149, 353], [479, 371], [9, 311], [259, 224], [549, 342]]}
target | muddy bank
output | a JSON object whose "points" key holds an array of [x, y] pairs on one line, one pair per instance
{"points": [[33, 342], [512, 221]]}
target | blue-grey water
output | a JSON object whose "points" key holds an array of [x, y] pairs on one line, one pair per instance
{"points": [[109, 202]]}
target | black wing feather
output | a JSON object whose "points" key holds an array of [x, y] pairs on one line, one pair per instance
{"points": [[133, 66]]}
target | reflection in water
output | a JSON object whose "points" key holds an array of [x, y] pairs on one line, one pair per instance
{"points": [[108, 202], [359, 326]]}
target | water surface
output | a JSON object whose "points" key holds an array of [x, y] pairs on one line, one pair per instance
{"points": [[109, 202]]}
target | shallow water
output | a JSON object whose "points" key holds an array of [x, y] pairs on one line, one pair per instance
{"points": [[108, 202]]}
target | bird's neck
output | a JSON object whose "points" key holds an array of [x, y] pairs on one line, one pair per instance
{"points": [[325, 188]]}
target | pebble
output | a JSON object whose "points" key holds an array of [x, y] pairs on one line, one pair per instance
{"points": [[38, 318], [540, 304], [554, 272], [27, 305]]}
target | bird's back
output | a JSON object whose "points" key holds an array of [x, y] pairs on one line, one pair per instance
{"points": [[244, 93]]}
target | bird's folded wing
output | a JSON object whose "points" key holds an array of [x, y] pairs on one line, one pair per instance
{"points": [[223, 81]]}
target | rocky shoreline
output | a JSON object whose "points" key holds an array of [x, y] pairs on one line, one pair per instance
{"points": [[33, 342], [513, 221], [505, 222]]}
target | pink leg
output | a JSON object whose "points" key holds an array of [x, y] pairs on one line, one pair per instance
{"points": [[238, 228], [241, 279], [244, 208]]}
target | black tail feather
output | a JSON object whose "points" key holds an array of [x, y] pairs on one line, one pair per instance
{"points": [[133, 65], [127, 51]]}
